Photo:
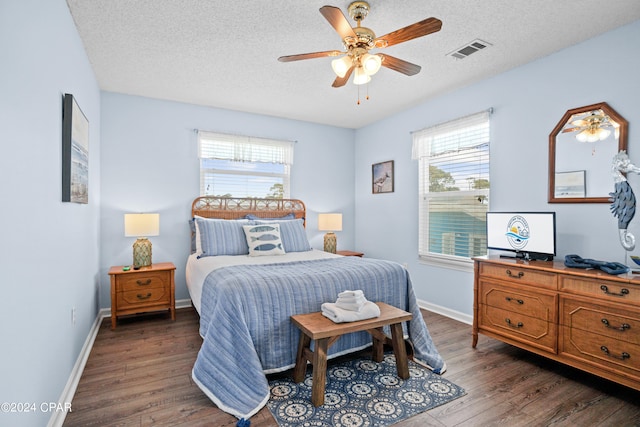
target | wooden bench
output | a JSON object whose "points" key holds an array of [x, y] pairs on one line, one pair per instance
{"points": [[316, 327]]}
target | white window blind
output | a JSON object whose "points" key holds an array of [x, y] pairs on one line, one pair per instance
{"points": [[453, 190], [242, 166]]}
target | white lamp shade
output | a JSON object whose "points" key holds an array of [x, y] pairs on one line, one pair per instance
{"points": [[371, 63], [341, 65], [361, 77], [330, 222], [141, 225]]}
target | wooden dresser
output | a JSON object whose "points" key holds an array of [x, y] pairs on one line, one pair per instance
{"points": [[584, 318]]}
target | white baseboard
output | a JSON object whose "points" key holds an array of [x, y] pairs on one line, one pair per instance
{"points": [[453, 314], [58, 417]]}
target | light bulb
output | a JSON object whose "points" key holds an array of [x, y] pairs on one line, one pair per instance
{"points": [[361, 77], [341, 66], [371, 63]]}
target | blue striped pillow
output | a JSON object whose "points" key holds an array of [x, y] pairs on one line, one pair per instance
{"points": [[222, 237], [293, 234]]}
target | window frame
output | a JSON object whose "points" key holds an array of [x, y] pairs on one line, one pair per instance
{"points": [[422, 141], [239, 149]]}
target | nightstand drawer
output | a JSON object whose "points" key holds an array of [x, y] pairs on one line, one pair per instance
{"points": [[142, 281], [141, 298]]}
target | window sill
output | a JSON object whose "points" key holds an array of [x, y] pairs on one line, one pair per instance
{"points": [[450, 262]]}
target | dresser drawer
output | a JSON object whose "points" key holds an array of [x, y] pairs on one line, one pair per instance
{"points": [[141, 298], [520, 327], [612, 322], [605, 289], [517, 274], [143, 281], [535, 304], [604, 352]]}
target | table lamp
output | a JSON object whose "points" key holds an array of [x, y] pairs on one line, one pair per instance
{"points": [[330, 222], [141, 225]]}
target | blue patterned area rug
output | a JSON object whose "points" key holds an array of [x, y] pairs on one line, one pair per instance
{"points": [[361, 393]]}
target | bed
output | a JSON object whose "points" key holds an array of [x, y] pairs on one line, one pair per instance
{"points": [[245, 299]]}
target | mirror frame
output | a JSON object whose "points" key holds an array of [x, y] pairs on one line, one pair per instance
{"points": [[622, 145]]}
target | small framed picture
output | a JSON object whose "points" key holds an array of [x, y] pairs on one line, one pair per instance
{"points": [[382, 177], [570, 184]]}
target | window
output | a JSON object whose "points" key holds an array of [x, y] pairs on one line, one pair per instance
{"points": [[454, 190], [241, 166]]}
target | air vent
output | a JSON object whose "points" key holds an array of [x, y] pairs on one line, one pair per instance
{"points": [[469, 49]]}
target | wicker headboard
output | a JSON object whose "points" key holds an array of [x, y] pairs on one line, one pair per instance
{"points": [[239, 207]]}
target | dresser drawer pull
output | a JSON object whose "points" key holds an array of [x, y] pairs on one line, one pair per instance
{"points": [[515, 276], [623, 291], [519, 301], [624, 355], [513, 325], [622, 327], [147, 296], [145, 283]]}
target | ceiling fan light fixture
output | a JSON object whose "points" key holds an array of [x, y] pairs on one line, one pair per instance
{"points": [[371, 63], [341, 65], [361, 77]]}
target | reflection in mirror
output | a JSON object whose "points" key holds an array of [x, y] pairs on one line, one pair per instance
{"points": [[581, 149]]}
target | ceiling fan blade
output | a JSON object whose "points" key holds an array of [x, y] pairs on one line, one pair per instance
{"points": [[341, 81], [410, 32], [338, 21], [399, 65], [301, 56]]}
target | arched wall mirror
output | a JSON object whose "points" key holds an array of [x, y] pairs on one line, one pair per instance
{"points": [[581, 150]]}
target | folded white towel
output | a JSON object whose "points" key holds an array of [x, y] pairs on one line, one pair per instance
{"points": [[351, 303], [347, 293], [339, 315]]}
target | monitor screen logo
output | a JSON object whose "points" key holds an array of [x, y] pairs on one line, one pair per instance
{"points": [[517, 232]]}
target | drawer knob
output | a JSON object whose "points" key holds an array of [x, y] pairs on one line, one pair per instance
{"points": [[145, 283], [624, 355], [519, 301], [515, 276], [622, 327], [513, 325], [147, 296], [623, 291]]}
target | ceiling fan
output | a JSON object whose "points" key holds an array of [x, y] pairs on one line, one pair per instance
{"points": [[357, 42], [592, 126]]}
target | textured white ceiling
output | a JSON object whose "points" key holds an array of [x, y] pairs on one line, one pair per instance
{"points": [[223, 53]]}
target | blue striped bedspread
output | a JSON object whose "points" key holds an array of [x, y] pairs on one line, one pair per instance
{"points": [[247, 331]]}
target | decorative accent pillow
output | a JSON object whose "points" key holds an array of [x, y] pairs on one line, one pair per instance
{"points": [[294, 236], [264, 239], [220, 237], [252, 217]]}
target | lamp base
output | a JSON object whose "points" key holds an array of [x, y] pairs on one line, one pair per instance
{"points": [[330, 242], [141, 253]]}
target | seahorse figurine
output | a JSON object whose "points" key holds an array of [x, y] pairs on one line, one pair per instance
{"points": [[623, 201]]}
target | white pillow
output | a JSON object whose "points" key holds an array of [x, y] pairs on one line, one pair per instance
{"points": [[264, 239]]}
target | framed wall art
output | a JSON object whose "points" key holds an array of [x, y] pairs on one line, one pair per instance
{"points": [[570, 184], [75, 152], [382, 177]]}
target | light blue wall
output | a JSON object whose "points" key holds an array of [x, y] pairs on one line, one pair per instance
{"points": [[48, 249], [528, 102], [150, 164]]}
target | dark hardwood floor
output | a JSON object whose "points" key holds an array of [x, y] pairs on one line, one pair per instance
{"points": [[140, 375]]}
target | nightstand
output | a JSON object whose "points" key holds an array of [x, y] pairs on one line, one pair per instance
{"points": [[145, 290], [350, 253]]}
